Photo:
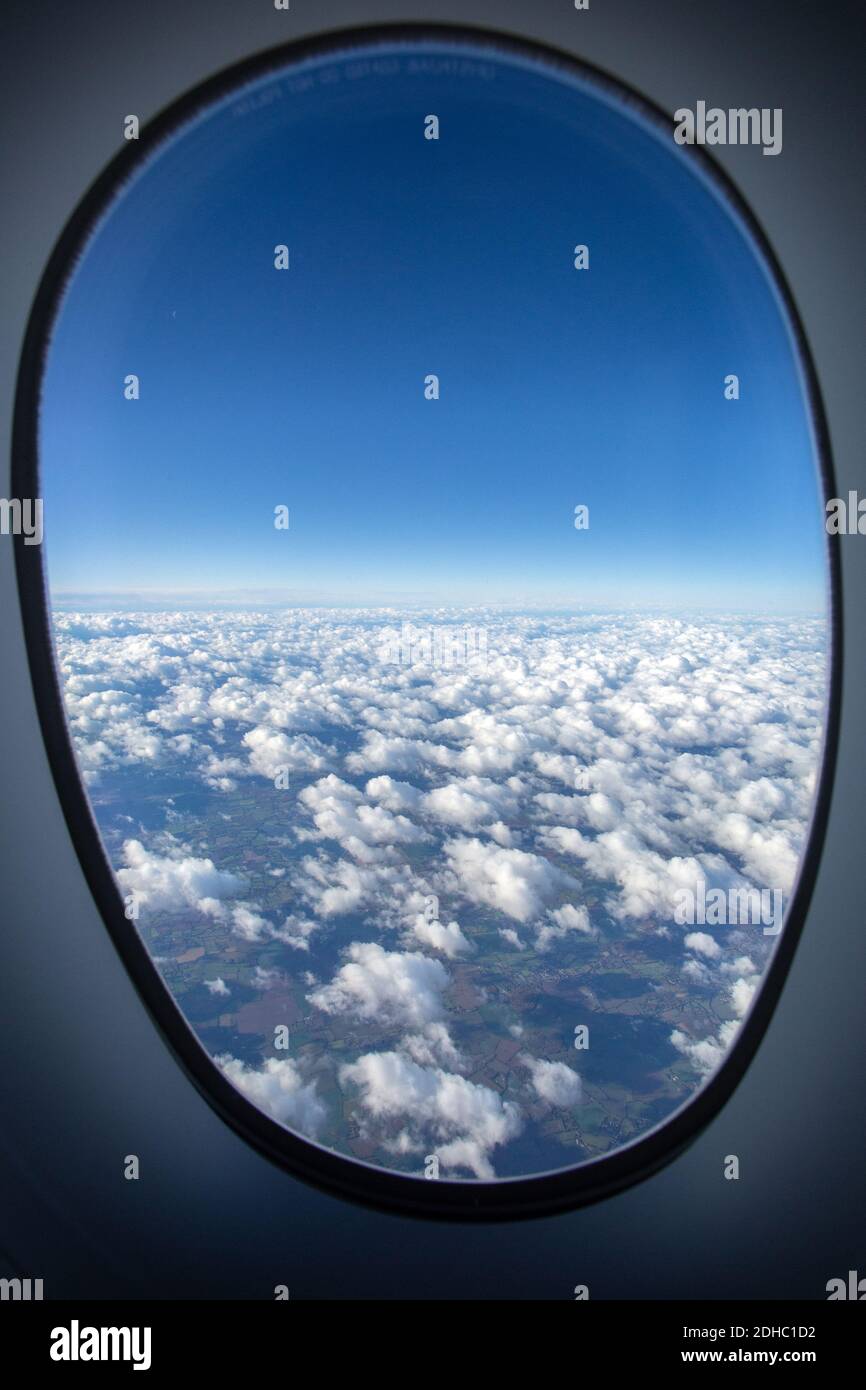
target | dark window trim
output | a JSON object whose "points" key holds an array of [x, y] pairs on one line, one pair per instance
{"points": [[351, 1178]]}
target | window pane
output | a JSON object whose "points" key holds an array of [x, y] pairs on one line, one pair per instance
{"points": [[434, 535]]}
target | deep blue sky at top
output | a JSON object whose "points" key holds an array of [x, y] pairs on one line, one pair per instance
{"points": [[410, 257]]}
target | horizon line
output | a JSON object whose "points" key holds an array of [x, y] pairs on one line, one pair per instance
{"points": [[276, 599]]}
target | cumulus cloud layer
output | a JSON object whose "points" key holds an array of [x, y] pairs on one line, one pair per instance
{"points": [[556, 797]]}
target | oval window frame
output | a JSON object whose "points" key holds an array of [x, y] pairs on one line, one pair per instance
{"points": [[352, 1178]]}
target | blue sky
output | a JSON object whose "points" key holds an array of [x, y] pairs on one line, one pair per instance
{"points": [[409, 257]]}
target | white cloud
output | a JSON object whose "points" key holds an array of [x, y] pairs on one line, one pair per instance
{"points": [[742, 993], [706, 1055], [460, 1120], [175, 881], [265, 979], [433, 1047], [704, 944], [696, 971], [272, 751], [395, 796], [277, 1087], [648, 881], [296, 932], [509, 880], [249, 924], [335, 888], [394, 986], [380, 753], [447, 939], [469, 803], [340, 813], [554, 1082], [512, 937], [559, 922]]}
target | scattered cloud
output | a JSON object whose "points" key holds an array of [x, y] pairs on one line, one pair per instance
{"points": [[431, 1110], [277, 1088], [554, 1082], [510, 880], [174, 881], [399, 986]]}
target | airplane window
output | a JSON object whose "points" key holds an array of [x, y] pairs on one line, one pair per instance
{"points": [[440, 600]]}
